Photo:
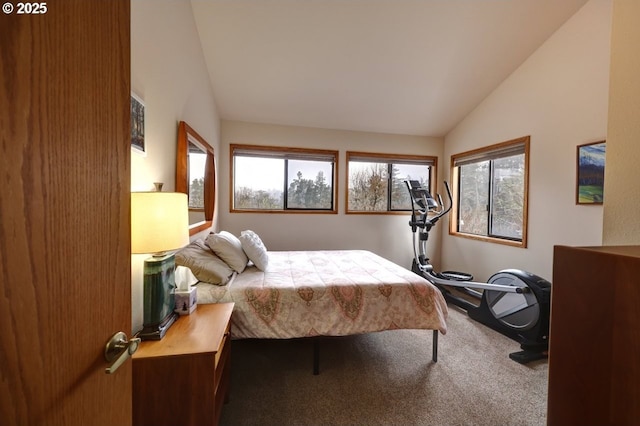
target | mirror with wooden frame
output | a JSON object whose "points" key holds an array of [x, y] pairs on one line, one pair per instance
{"points": [[195, 176]]}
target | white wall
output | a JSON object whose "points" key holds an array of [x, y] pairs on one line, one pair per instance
{"points": [[622, 171], [169, 73], [559, 97], [386, 235]]}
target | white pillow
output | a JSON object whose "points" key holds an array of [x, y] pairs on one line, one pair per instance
{"points": [[255, 249], [228, 248]]}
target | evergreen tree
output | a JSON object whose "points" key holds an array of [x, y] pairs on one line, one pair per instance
{"points": [[474, 198], [507, 197], [196, 194], [399, 194], [309, 194], [325, 195]]}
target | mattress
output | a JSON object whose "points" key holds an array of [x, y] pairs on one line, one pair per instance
{"points": [[327, 293]]}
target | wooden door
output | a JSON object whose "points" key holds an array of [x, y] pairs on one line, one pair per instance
{"points": [[64, 212]]}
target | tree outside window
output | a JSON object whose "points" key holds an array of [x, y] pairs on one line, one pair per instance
{"points": [[376, 181], [283, 179]]}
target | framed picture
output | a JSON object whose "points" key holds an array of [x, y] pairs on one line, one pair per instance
{"points": [[590, 173], [137, 124]]}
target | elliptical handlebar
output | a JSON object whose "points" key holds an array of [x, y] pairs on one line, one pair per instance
{"points": [[423, 203], [443, 211]]}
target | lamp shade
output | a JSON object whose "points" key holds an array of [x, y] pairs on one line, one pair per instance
{"points": [[159, 221]]}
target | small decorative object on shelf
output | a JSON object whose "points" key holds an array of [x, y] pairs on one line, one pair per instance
{"points": [[186, 301]]}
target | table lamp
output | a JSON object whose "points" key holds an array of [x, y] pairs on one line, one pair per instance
{"points": [[159, 224]]}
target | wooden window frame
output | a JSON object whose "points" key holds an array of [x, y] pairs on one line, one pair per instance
{"points": [[489, 153], [389, 158], [276, 152]]}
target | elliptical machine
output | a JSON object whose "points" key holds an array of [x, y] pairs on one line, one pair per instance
{"points": [[513, 302]]}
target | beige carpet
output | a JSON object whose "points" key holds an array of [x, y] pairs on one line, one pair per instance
{"points": [[387, 378]]}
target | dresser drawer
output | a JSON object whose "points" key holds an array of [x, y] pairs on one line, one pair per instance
{"points": [[192, 361]]}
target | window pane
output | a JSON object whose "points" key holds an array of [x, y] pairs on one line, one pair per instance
{"points": [[474, 198], [400, 199], [508, 197], [367, 186], [196, 160], [309, 184], [258, 183]]}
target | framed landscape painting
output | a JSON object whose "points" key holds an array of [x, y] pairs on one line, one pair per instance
{"points": [[590, 171], [137, 124]]}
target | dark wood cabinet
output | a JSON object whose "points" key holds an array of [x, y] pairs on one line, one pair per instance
{"points": [[183, 379], [594, 340]]}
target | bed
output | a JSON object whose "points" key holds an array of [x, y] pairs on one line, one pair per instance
{"points": [[298, 294]]}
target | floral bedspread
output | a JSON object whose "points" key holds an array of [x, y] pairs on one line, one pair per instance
{"points": [[327, 293]]}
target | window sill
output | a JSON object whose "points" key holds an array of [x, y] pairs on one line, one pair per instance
{"points": [[494, 240]]}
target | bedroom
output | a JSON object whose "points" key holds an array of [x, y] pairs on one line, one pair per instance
{"points": [[559, 96], [170, 98], [575, 58]]}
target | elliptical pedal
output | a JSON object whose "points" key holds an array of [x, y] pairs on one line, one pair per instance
{"points": [[456, 276], [525, 357]]}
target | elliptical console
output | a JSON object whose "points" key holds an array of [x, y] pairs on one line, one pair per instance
{"points": [[514, 302]]}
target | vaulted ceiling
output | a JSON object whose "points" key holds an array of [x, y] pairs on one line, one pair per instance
{"points": [[393, 66]]}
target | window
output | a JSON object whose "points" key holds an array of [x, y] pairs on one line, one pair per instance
{"points": [[196, 161], [283, 179], [375, 182], [491, 192]]}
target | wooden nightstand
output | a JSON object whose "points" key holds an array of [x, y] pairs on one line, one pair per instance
{"points": [[183, 379]]}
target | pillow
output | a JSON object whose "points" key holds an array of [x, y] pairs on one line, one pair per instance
{"points": [[228, 247], [255, 249], [200, 243], [205, 265]]}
